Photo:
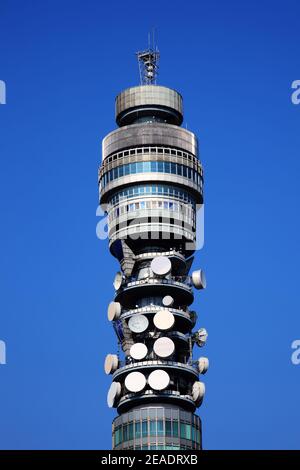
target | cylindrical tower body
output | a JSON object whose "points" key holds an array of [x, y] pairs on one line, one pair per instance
{"points": [[151, 185]]}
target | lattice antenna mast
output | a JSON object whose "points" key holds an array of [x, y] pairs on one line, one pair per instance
{"points": [[148, 63]]}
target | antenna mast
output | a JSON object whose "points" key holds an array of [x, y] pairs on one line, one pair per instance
{"points": [[148, 63]]}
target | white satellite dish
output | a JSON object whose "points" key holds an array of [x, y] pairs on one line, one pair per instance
{"points": [[198, 392], [201, 337], [113, 394], [161, 266], [138, 351], [135, 382], [159, 380], [199, 279], [164, 347], [113, 311], [138, 323], [168, 301], [203, 365], [111, 363], [118, 280], [164, 320]]}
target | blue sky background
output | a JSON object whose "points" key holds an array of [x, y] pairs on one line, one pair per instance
{"points": [[63, 63]]}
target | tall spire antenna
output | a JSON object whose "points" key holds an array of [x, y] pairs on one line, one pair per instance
{"points": [[148, 62]]}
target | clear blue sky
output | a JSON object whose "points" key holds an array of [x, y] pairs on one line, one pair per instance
{"points": [[63, 63]]}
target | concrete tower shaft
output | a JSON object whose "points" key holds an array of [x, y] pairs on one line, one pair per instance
{"points": [[151, 185]]}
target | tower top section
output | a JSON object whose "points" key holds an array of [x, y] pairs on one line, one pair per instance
{"points": [[149, 103], [148, 61]]}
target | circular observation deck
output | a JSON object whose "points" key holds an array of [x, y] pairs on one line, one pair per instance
{"points": [[148, 134], [148, 102]]}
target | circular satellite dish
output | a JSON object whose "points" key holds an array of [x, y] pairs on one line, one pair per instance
{"points": [[161, 266], [118, 280], [164, 320], [138, 351], [203, 365], [168, 301], [164, 347], [114, 311], [198, 391], [111, 363], [199, 279], [201, 337], [135, 382], [159, 380], [113, 394], [138, 323]]}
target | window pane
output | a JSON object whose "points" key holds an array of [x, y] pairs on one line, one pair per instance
{"points": [[182, 430], [160, 427], [188, 431], [175, 428], [130, 431], [121, 170], [152, 428], [160, 166], [137, 430], [126, 169], [132, 168], [193, 433], [184, 172], [144, 429], [147, 167], [125, 432], [139, 167], [168, 429], [173, 168], [153, 166], [167, 167]]}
